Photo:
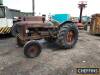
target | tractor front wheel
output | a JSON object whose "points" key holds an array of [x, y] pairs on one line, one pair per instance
{"points": [[32, 49]]}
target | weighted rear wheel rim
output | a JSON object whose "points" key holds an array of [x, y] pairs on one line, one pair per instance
{"points": [[70, 37], [32, 51]]}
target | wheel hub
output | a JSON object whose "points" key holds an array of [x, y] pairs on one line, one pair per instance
{"points": [[70, 37], [32, 51]]}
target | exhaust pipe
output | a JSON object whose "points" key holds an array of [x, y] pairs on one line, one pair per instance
{"points": [[33, 7]]}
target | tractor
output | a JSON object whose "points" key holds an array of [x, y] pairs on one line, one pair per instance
{"points": [[33, 28]]}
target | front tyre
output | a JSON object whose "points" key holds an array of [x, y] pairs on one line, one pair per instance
{"points": [[32, 49]]}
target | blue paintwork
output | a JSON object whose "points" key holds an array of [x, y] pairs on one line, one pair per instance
{"points": [[61, 17]]}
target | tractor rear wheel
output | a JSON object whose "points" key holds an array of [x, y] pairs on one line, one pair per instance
{"points": [[32, 49], [67, 36]]}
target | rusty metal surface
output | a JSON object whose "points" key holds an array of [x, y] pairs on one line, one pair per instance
{"points": [[36, 28], [94, 15], [95, 24], [33, 18], [31, 23], [35, 24]]}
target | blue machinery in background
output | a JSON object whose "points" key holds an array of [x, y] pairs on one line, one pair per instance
{"points": [[61, 17]]}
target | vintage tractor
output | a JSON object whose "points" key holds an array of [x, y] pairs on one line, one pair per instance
{"points": [[35, 28]]}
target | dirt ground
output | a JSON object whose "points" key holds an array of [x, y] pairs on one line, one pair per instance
{"points": [[52, 61]]}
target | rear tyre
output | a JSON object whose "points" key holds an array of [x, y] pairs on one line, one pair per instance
{"points": [[20, 42], [32, 49], [67, 36]]}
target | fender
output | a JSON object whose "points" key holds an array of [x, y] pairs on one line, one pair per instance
{"points": [[66, 22], [73, 24]]}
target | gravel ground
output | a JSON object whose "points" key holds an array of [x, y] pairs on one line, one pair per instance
{"points": [[51, 61]]}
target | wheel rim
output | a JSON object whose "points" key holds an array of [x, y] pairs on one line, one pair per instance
{"points": [[32, 51], [70, 37]]}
